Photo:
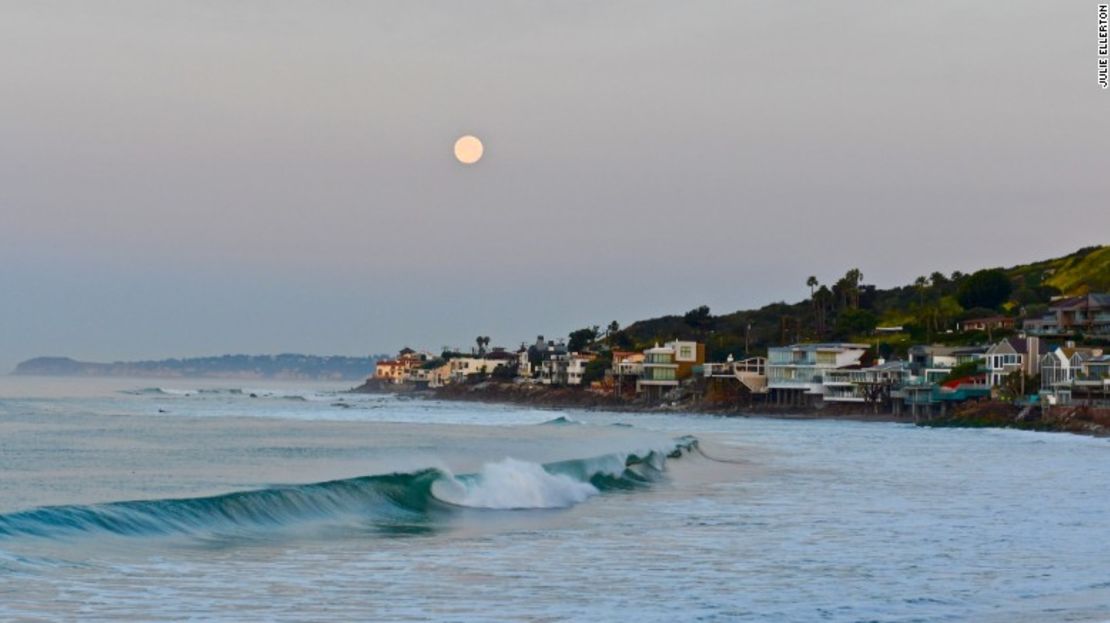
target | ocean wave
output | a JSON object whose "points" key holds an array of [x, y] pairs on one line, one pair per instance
{"points": [[306, 396], [562, 420], [161, 391], [399, 503]]}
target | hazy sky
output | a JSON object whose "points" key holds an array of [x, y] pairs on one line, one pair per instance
{"points": [[190, 178]]}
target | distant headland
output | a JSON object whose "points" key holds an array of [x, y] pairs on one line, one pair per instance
{"points": [[285, 366]]}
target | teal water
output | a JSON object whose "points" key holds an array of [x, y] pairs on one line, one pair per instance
{"points": [[140, 500]]}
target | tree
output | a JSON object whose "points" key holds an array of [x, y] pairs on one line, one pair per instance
{"points": [[812, 283], [851, 322], [947, 311], [595, 370], [847, 289], [921, 284], [504, 373], [581, 338], [985, 288], [885, 350], [966, 369], [699, 317], [854, 278], [483, 342], [823, 300], [612, 328], [1017, 384]]}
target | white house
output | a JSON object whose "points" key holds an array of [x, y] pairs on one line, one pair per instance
{"points": [[576, 367], [801, 368], [462, 367], [523, 363], [1061, 368]]}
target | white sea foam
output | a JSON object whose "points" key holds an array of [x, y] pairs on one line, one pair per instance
{"points": [[169, 391], [513, 484]]}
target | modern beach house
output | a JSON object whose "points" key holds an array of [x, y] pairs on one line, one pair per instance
{"points": [[796, 373], [665, 366]]}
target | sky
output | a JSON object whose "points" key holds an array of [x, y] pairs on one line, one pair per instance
{"points": [[197, 178]]}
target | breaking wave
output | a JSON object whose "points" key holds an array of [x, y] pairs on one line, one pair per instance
{"points": [[399, 503], [235, 391], [562, 420]]}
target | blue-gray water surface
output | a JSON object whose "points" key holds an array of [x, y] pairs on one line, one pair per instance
{"points": [[158, 500]]}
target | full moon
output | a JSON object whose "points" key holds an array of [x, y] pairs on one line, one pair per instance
{"points": [[468, 149]]}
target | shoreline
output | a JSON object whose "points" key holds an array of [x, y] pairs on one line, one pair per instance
{"points": [[1079, 420], [563, 398]]}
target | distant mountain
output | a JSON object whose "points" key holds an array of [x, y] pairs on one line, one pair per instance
{"points": [[285, 366]]}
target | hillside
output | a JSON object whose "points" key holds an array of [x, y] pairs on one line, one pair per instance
{"points": [[928, 310], [285, 366]]}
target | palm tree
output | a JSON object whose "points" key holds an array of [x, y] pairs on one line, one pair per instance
{"points": [[612, 328], [920, 284], [852, 280], [812, 283], [483, 342], [823, 299]]}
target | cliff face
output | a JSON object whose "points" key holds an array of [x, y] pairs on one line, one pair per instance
{"points": [[288, 366]]}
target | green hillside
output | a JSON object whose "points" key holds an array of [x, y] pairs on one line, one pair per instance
{"points": [[928, 310], [1082, 272]]}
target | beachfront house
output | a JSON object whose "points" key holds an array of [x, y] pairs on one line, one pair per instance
{"points": [[553, 368], [628, 363], [576, 367], [1088, 314], [1012, 354], [873, 384], [463, 367], [795, 373], [523, 363], [397, 370], [932, 362], [750, 373], [1069, 368], [664, 367], [432, 373], [627, 366]]}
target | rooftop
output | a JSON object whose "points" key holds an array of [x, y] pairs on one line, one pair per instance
{"points": [[837, 346]]}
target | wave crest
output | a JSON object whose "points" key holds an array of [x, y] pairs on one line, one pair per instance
{"points": [[391, 503], [512, 485]]}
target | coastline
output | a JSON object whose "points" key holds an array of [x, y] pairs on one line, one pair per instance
{"points": [[1080, 420], [557, 398]]}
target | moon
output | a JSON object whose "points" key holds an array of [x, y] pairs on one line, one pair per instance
{"points": [[468, 149]]}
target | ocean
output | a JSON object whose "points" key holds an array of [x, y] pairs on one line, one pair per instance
{"points": [[155, 500]]}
